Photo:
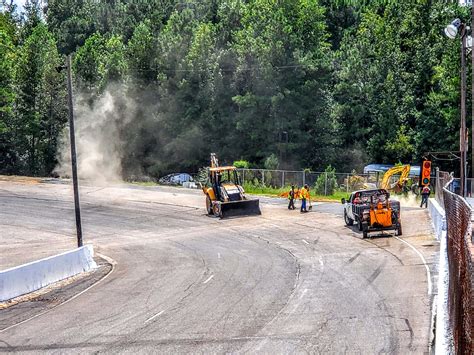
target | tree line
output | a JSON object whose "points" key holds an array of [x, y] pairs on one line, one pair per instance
{"points": [[298, 83]]}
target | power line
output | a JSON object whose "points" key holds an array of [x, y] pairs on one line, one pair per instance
{"points": [[281, 67]]}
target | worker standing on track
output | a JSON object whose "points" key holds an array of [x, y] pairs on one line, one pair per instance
{"points": [[304, 194], [425, 193], [291, 198]]}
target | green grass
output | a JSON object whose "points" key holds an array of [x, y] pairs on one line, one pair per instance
{"points": [[274, 192], [264, 190], [334, 197]]}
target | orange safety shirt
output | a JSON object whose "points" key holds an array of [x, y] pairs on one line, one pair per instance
{"points": [[304, 193]]}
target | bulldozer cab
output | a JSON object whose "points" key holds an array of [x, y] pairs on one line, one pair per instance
{"points": [[223, 177]]}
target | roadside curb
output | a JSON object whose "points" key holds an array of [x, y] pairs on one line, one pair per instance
{"points": [[33, 305], [35, 275]]}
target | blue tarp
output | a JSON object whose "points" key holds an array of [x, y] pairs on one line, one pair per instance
{"points": [[382, 168]]}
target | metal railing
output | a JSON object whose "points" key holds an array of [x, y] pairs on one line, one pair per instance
{"points": [[442, 180]]}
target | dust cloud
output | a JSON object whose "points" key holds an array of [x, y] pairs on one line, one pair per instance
{"points": [[406, 201], [99, 142]]}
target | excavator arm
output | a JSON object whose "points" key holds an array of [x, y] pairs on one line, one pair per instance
{"points": [[403, 170]]}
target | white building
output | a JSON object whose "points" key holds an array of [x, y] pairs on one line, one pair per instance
{"points": [[465, 2]]}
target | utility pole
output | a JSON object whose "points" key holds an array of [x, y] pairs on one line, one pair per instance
{"points": [[462, 135], [451, 32], [472, 99], [77, 206]]}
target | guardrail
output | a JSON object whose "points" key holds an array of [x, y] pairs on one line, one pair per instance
{"points": [[30, 277]]}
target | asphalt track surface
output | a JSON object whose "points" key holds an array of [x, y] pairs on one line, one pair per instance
{"points": [[283, 282]]}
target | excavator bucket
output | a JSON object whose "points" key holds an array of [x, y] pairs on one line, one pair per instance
{"points": [[240, 208]]}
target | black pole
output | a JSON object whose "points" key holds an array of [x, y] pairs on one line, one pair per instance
{"points": [[462, 138], [77, 206], [472, 100]]}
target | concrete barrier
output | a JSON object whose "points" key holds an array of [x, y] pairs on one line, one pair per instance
{"points": [[437, 216], [30, 277], [443, 335]]}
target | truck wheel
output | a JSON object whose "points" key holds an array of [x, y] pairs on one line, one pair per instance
{"points": [[365, 230], [349, 221], [399, 229], [209, 206], [216, 209]]}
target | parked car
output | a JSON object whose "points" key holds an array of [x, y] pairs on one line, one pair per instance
{"points": [[175, 179]]}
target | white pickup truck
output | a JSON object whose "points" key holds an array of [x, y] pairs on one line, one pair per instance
{"points": [[357, 209]]}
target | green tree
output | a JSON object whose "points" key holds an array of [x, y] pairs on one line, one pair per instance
{"points": [[271, 162], [140, 53], [71, 22], [281, 78], [39, 106], [310, 82], [100, 61], [115, 63], [31, 18], [388, 82], [7, 97], [89, 62], [241, 164], [326, 183]]}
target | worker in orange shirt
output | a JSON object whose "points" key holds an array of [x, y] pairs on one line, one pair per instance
{"points": [[304, 195]]}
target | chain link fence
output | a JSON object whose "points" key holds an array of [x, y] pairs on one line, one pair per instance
{"points": [[461, 264], [442, 179], [325, 183]]}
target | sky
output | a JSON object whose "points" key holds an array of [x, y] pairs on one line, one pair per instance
{"points": [[20, 4]]}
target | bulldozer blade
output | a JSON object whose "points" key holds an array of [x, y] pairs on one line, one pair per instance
{"points": [[240, 208]]}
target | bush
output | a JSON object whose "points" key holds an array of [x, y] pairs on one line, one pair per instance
{"points": [[271, 163], [156, 170], [355, 182], [326, 183], [203, 176], [241, 164]]}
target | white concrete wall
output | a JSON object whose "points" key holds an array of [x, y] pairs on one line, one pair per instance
{"points": [[30, 277], [437, 217], [443, 335]]}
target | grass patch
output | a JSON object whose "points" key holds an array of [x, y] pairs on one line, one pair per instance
{"points": [[264, 190], [275, 192]]}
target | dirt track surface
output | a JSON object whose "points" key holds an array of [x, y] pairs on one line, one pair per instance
{"points": [[283, 282]]}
